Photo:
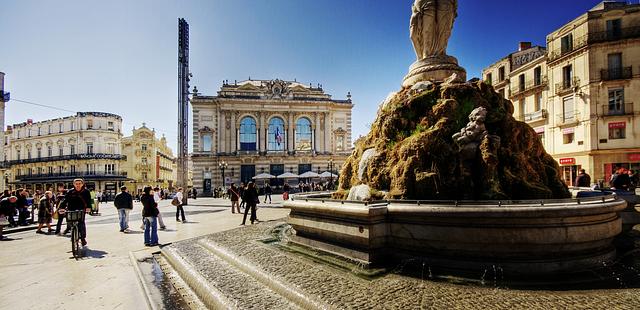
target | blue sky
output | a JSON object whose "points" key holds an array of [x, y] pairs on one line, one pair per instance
{"points": [[119, 56]]}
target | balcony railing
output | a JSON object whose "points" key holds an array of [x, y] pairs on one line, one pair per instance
{"points": [[567, 86], [624, 109], [614, 35], [568, 118], [536, 116], [529, 86], [577, 44], [616, 74], [67, 157], [66, 175], [140, 152]]}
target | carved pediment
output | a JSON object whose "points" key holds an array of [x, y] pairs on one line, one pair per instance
{"points": [[206, 129]]}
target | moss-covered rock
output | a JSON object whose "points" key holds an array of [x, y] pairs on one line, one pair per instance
{"points": [[417, 158]]}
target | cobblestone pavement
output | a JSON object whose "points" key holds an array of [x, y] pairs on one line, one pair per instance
{"points": [[342, 289], [37, 271]]}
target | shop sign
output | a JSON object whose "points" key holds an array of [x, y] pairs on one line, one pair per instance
{"points": [[568, 130], [539, 129], [634, 157], [617, 125], [567, 161]]}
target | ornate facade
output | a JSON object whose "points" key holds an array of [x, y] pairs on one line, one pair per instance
{"points": [[581, 102], [149, 160], [261, 126], [51, 153]]}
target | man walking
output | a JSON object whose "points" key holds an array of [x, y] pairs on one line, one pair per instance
{"points": [[124, 204], [583, 179]]}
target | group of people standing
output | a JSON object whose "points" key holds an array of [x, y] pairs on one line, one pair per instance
{"points": [[246, 196], [151, 215], [49, 207]]}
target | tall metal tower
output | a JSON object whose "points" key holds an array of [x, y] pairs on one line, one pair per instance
{"points": [[183, 105]]}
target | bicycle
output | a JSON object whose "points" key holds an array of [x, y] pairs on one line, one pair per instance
{"points": [[73, 218]]}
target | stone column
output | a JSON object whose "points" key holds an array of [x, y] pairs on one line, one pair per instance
{"points": [[222, 128], [328, 134], [232, 134], [262, 138], [289, 132], [318, 134]]}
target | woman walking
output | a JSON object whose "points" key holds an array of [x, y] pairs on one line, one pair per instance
{"points": [[45, 212], [179, 208], [251, 199], [235, 196], [150, 217]]}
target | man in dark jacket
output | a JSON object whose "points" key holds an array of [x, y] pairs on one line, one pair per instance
{"points": [[583, 179], [621, 181], [21, 205], [150, 215], [124, 204], [8, 208], [78, 199]]}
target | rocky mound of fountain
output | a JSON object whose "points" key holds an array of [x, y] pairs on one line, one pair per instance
{"points": [[449, 141]]}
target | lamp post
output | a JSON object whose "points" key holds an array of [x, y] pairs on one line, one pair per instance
{"points": [[223, 165], [6, 180], [330, 173]]}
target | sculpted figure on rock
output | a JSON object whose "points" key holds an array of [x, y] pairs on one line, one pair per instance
{"points": [[430, 26]]}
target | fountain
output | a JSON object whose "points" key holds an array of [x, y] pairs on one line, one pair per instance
{"points": [[448, 175], [446, 186]]}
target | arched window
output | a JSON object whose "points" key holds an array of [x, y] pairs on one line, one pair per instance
{"points": [[303, 134], [248, 134], [276, 136]]}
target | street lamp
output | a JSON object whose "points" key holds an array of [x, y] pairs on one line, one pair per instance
{"points": [[330, 173], [223, 165], [6, 180]]}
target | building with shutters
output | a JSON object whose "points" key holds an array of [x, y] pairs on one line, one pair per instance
{"points": [[582, 94]]}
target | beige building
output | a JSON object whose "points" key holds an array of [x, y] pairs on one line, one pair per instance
{"points": [[149, 160], [262, 126], [51, 153], [593, 73]]}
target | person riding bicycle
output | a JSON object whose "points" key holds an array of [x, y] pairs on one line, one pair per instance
{"points": [[78, 199]]}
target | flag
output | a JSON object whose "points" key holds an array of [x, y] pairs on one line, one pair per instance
{"points": [[278, 136]]}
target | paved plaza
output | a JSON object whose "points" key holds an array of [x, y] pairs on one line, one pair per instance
{"points": [[39, 273]]}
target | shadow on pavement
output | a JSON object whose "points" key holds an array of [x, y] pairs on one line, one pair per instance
{"points": [[89, 253]]}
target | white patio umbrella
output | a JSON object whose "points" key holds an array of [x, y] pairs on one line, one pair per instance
{"points": [[264, 176], [309, 175], [327, 175], [288, 175]]}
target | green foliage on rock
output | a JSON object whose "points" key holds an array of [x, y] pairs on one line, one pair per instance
{"points": [[417, 157]]}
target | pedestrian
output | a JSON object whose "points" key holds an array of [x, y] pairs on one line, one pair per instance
{"points": [[150, 216], [157, 199], [251, 199], [78, 199], [621, 180], [45, 212], [105, 197], [21, 205], [179, 207], [61, 211], [194, 192], [267, 192], [241, 190], [10, 206], [7, 207], [124, 203], [583, 179], [98, 197], [235, 197]]}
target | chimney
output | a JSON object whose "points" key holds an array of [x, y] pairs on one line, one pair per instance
{"points": [[524, 46]]}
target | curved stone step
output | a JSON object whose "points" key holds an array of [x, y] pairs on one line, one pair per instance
{"points": [[220, 284]]}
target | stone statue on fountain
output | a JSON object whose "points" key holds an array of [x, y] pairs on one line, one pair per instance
{"points": [[430, 28]]}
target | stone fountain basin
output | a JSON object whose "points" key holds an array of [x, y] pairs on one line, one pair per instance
{"points": [[521, 237]]}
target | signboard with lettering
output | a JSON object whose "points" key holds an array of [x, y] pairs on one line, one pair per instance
{"points": [[634, 157], [539, 129], [568, 130], [617, 125], [567, 161]]}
